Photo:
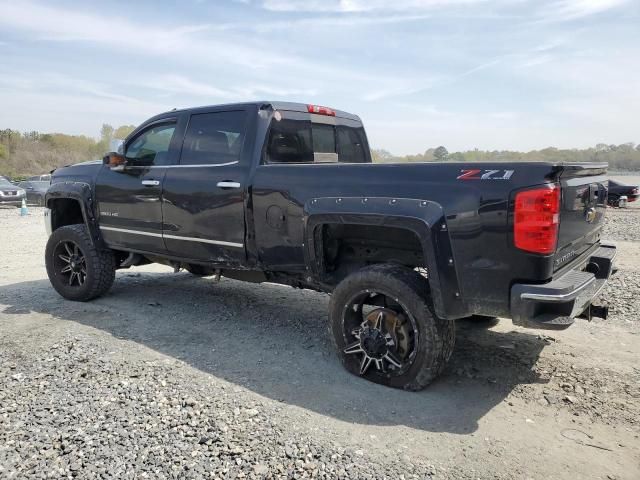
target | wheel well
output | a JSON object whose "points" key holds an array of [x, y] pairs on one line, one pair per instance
{"points": [[344, 248], [65, 211]]}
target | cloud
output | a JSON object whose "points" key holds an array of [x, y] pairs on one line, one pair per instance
{"points": [[187, 43], [324, 21], [53, 83], [587, 7], [42, 107], [567, 10], [352, 6], [558, 10], [182, 85], [403, 88], [70, 25], [491, 73]]}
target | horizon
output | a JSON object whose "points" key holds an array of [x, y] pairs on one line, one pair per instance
{"points": [[420, 73], [372, 148]]}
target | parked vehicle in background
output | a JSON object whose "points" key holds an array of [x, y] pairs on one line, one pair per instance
{"points": [[44, 178], [35, 190], [619, 189], [286, 193], [10, 194]]}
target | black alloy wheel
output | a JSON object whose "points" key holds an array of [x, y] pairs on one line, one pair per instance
{"points": [[77, 268], [384, 327], [70, 263]]}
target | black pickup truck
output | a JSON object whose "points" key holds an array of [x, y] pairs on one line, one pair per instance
{"points": [[286, 193]]}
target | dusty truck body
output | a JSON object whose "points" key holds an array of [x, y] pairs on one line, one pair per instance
{"points": [[287, 193]]}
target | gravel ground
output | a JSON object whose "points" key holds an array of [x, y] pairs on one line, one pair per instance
{"points": [[76, 409], [173, 376], [623, 224]]}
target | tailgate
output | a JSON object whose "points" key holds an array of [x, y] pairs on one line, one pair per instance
{"points": [[584, 194]]}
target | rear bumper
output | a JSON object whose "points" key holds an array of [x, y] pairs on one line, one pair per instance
{"points": [[554, 305]]}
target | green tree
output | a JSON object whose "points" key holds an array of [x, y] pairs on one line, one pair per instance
{"points": [[380, 155], [106, 133], [440, 153], [123, 131]]}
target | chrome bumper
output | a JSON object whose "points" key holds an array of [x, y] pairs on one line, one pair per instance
{"points": [[556, 304]]}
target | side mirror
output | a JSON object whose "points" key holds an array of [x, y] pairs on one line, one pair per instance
{"points": [[115, 161]]}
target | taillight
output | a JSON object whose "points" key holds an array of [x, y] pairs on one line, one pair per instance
{"points": [[536, 219], [321, 110]]}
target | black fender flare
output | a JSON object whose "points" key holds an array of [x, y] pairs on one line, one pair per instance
{"points": [[81, 192], [424, 218]]}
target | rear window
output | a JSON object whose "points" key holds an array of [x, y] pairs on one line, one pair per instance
{"points": [[303, 141]]}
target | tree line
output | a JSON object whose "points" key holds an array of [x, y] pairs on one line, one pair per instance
{"points": [[32, 153], [619, 157]]}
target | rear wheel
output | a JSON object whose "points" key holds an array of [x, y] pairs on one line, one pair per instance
{"points": [[385, 330], [76, 268]]}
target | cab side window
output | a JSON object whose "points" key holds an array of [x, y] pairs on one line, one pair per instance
{"points": [[351, 145], [290, 142], [214, 138], [151, 147]]}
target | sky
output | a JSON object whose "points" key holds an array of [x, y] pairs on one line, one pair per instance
{"points": [[487, 74]]}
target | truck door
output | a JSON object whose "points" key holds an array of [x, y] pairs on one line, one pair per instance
{"points": [[129, 200], [203, 197]]}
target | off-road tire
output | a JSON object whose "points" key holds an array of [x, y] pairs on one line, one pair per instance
{"points": [[436, 336], [200, 270], [100, 265]]}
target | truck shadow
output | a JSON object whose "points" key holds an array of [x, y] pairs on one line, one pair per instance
{"points": [[274, 341]]}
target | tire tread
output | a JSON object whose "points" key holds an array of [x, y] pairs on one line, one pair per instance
{"points": [[103, 262], [443, 330]]}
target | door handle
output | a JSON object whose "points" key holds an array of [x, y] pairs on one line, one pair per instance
{"points": [[150, 183], [228, 184]]}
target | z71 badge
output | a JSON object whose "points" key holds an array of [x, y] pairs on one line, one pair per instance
{"points": [[477, 174]]}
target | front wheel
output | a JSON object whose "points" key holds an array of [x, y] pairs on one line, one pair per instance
{"points": [[385, 329], [78, 270]]}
